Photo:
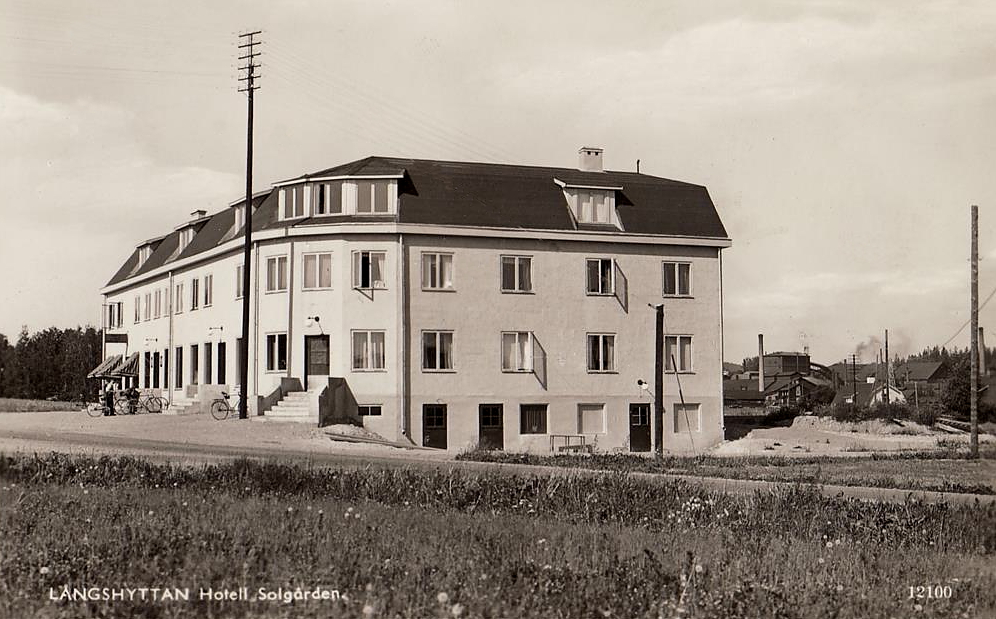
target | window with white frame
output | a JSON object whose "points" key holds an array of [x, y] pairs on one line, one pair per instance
{"points": [[144, 253], [369, 410], [677, 279], [591, 418], [437, 271], [317, 271], [678, 350], [516, 274], [372, 197], [594, 206], [238, 281], [186, 235], [208, 290], [195, 297], [115, 315], [240, 217], [166, 308], [686, 417], [368, 269], [290, 201], [138, 308], [276, 274], [368, 350], [276, 352], [437, 350], [148, 306], [600, 276], [159, 304], [601, 352], [517, 351], [327, 198], [532, 419], [179, 298]]}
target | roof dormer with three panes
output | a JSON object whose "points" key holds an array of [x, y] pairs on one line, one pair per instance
{"points": [[338, 196]]}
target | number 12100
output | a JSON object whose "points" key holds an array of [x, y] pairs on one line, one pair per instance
{"points": [[930, 592]]}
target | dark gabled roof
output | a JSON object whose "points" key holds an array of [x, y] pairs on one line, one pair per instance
{"points": [[741, 389], [479, 195], [919, 370]]}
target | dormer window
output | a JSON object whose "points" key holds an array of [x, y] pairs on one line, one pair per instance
{"points": [[595, 206], [592, 205], [327, 199], [371, 197], [144, 253], [292, 202], [240, 217], [186, 235]]}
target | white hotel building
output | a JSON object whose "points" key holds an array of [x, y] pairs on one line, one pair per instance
{"points": [[450, 304]]}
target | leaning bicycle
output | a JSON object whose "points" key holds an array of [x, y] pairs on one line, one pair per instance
{"points": [[222, 407]]}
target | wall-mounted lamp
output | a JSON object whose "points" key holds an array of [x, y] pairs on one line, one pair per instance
{"points": [[317, 320]]}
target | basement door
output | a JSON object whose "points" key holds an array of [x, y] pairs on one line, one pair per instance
{"points": [[639, 427], [492, 427], [434, 425], [316, 358]]}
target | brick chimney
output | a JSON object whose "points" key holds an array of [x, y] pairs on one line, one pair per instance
{"points": [[760, 362], [590, 159]]}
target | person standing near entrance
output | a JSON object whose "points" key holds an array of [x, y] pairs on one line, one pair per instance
{"points": [[109, 399]]}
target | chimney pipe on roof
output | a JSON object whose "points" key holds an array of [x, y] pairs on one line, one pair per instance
{"points": [[760, 362], [590, 159], [195, 215]]}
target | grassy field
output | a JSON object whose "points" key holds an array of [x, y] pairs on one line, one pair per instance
{"points": [[16, 405], [406, 543], [946, 470]]}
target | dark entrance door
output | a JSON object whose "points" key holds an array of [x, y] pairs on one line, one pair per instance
{"points": [[639, 427], [434, 425], [316, 356], [492, 427]]}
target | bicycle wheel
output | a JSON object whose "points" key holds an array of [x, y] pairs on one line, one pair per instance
{"points": [[220, 409], [94, 409], [121, 406], [163, 404], [152, 404]]}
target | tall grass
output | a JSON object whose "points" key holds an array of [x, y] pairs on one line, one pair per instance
{"points": [[497, 545]]}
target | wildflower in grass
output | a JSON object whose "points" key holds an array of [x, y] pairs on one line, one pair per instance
{"points": [[151, 512], [829, 544], [699, 569], [541, 541], [368, 610], [44, 570], [442, 598], [369, 587], [457, 610], [290, 509], [184, 503], [918, 607], [840, 588]]}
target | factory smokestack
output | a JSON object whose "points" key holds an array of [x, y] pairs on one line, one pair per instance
{"points": [[760, 362]]}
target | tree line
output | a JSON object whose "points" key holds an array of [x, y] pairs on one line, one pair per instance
{"points": [[48, 364]]}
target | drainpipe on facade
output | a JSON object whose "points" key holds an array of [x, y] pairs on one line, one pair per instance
{"points": [[255, 333], [169, 341], [290, 313], [403, 337]]}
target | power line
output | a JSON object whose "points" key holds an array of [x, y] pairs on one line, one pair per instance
{"points": [[962, 328]]}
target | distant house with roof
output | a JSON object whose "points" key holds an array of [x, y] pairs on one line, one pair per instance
{"points": [[868, 394], [793, 390]]}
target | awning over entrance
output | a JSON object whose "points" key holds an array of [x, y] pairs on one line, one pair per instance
{"points": [[106, 367], [128, 367]]}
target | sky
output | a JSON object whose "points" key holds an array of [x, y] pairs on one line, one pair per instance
{"points": [[843, 142]]}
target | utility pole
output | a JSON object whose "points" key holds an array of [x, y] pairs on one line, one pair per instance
{"points": [[248, 43], [887, 381], [659, 383], [975, 334]]}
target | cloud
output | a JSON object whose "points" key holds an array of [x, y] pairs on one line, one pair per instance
{"points": [[79, 194]]}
